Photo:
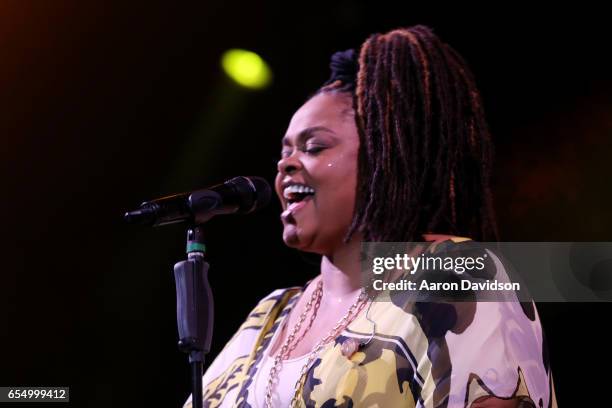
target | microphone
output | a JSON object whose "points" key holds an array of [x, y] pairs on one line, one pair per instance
{"points": [[240, 195]]}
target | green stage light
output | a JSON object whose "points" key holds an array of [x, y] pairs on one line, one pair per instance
{"points": [[246, 68]]}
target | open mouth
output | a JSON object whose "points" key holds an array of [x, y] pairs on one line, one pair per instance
{"points": [[296, 194]]}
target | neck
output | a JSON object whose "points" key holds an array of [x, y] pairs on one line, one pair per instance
{"points": [[341, 270]]}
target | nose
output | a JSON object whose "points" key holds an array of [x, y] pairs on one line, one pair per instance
{"points": [[289, 165]]}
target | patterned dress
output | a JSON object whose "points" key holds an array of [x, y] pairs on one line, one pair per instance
{"points": [[421, 355]]}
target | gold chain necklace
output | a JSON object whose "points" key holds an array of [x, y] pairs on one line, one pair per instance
{"points": [[291, 343]]}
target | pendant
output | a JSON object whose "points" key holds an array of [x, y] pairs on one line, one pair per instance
{"points": [[349, 347]]}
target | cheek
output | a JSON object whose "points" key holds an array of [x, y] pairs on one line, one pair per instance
{"points": [[340, 177]]}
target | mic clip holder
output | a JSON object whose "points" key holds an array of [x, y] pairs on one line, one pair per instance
{"points": [[194, 308]]}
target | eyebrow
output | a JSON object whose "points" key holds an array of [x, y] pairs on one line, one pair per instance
{"points": [[307, 133]]}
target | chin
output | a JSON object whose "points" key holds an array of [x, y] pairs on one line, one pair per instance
{"points": [[297, 241], [308, 241]]}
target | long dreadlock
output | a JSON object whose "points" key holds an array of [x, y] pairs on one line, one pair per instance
{"points": [[425, 151]]}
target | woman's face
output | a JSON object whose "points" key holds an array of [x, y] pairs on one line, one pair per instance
{"points": [[317, 173]]}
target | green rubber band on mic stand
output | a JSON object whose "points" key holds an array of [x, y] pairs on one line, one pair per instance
{"points": [[196, 247]]}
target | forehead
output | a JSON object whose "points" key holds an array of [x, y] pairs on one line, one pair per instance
{"points": [[325, 109]]}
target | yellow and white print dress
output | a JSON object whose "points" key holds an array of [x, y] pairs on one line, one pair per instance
{"points": [[421, 355]]}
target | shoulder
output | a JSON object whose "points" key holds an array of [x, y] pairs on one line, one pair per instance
{"points": [[278, 297], [227, 372], [277, 294], [443, 242], [270, 305]]}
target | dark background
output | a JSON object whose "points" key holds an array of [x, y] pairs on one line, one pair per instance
{"points": [[107, 104]]}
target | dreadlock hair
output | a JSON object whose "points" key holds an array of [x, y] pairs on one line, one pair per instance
{"points": [[425, 151]]}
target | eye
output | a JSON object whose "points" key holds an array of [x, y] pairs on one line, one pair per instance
{"points": [[314, 149]]}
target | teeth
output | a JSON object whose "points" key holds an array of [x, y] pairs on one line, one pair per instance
{"points": [[297, 188]]}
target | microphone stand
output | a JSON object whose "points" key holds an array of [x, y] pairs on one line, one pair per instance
{"points": [[194, 308]]}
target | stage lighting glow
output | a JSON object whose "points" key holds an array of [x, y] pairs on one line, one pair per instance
{"points": [[246, 68]]}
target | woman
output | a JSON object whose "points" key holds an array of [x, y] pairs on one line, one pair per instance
{"points": [[394, 147]]}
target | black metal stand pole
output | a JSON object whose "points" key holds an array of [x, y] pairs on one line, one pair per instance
{"points": [[194, 308], [196, 386]]}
